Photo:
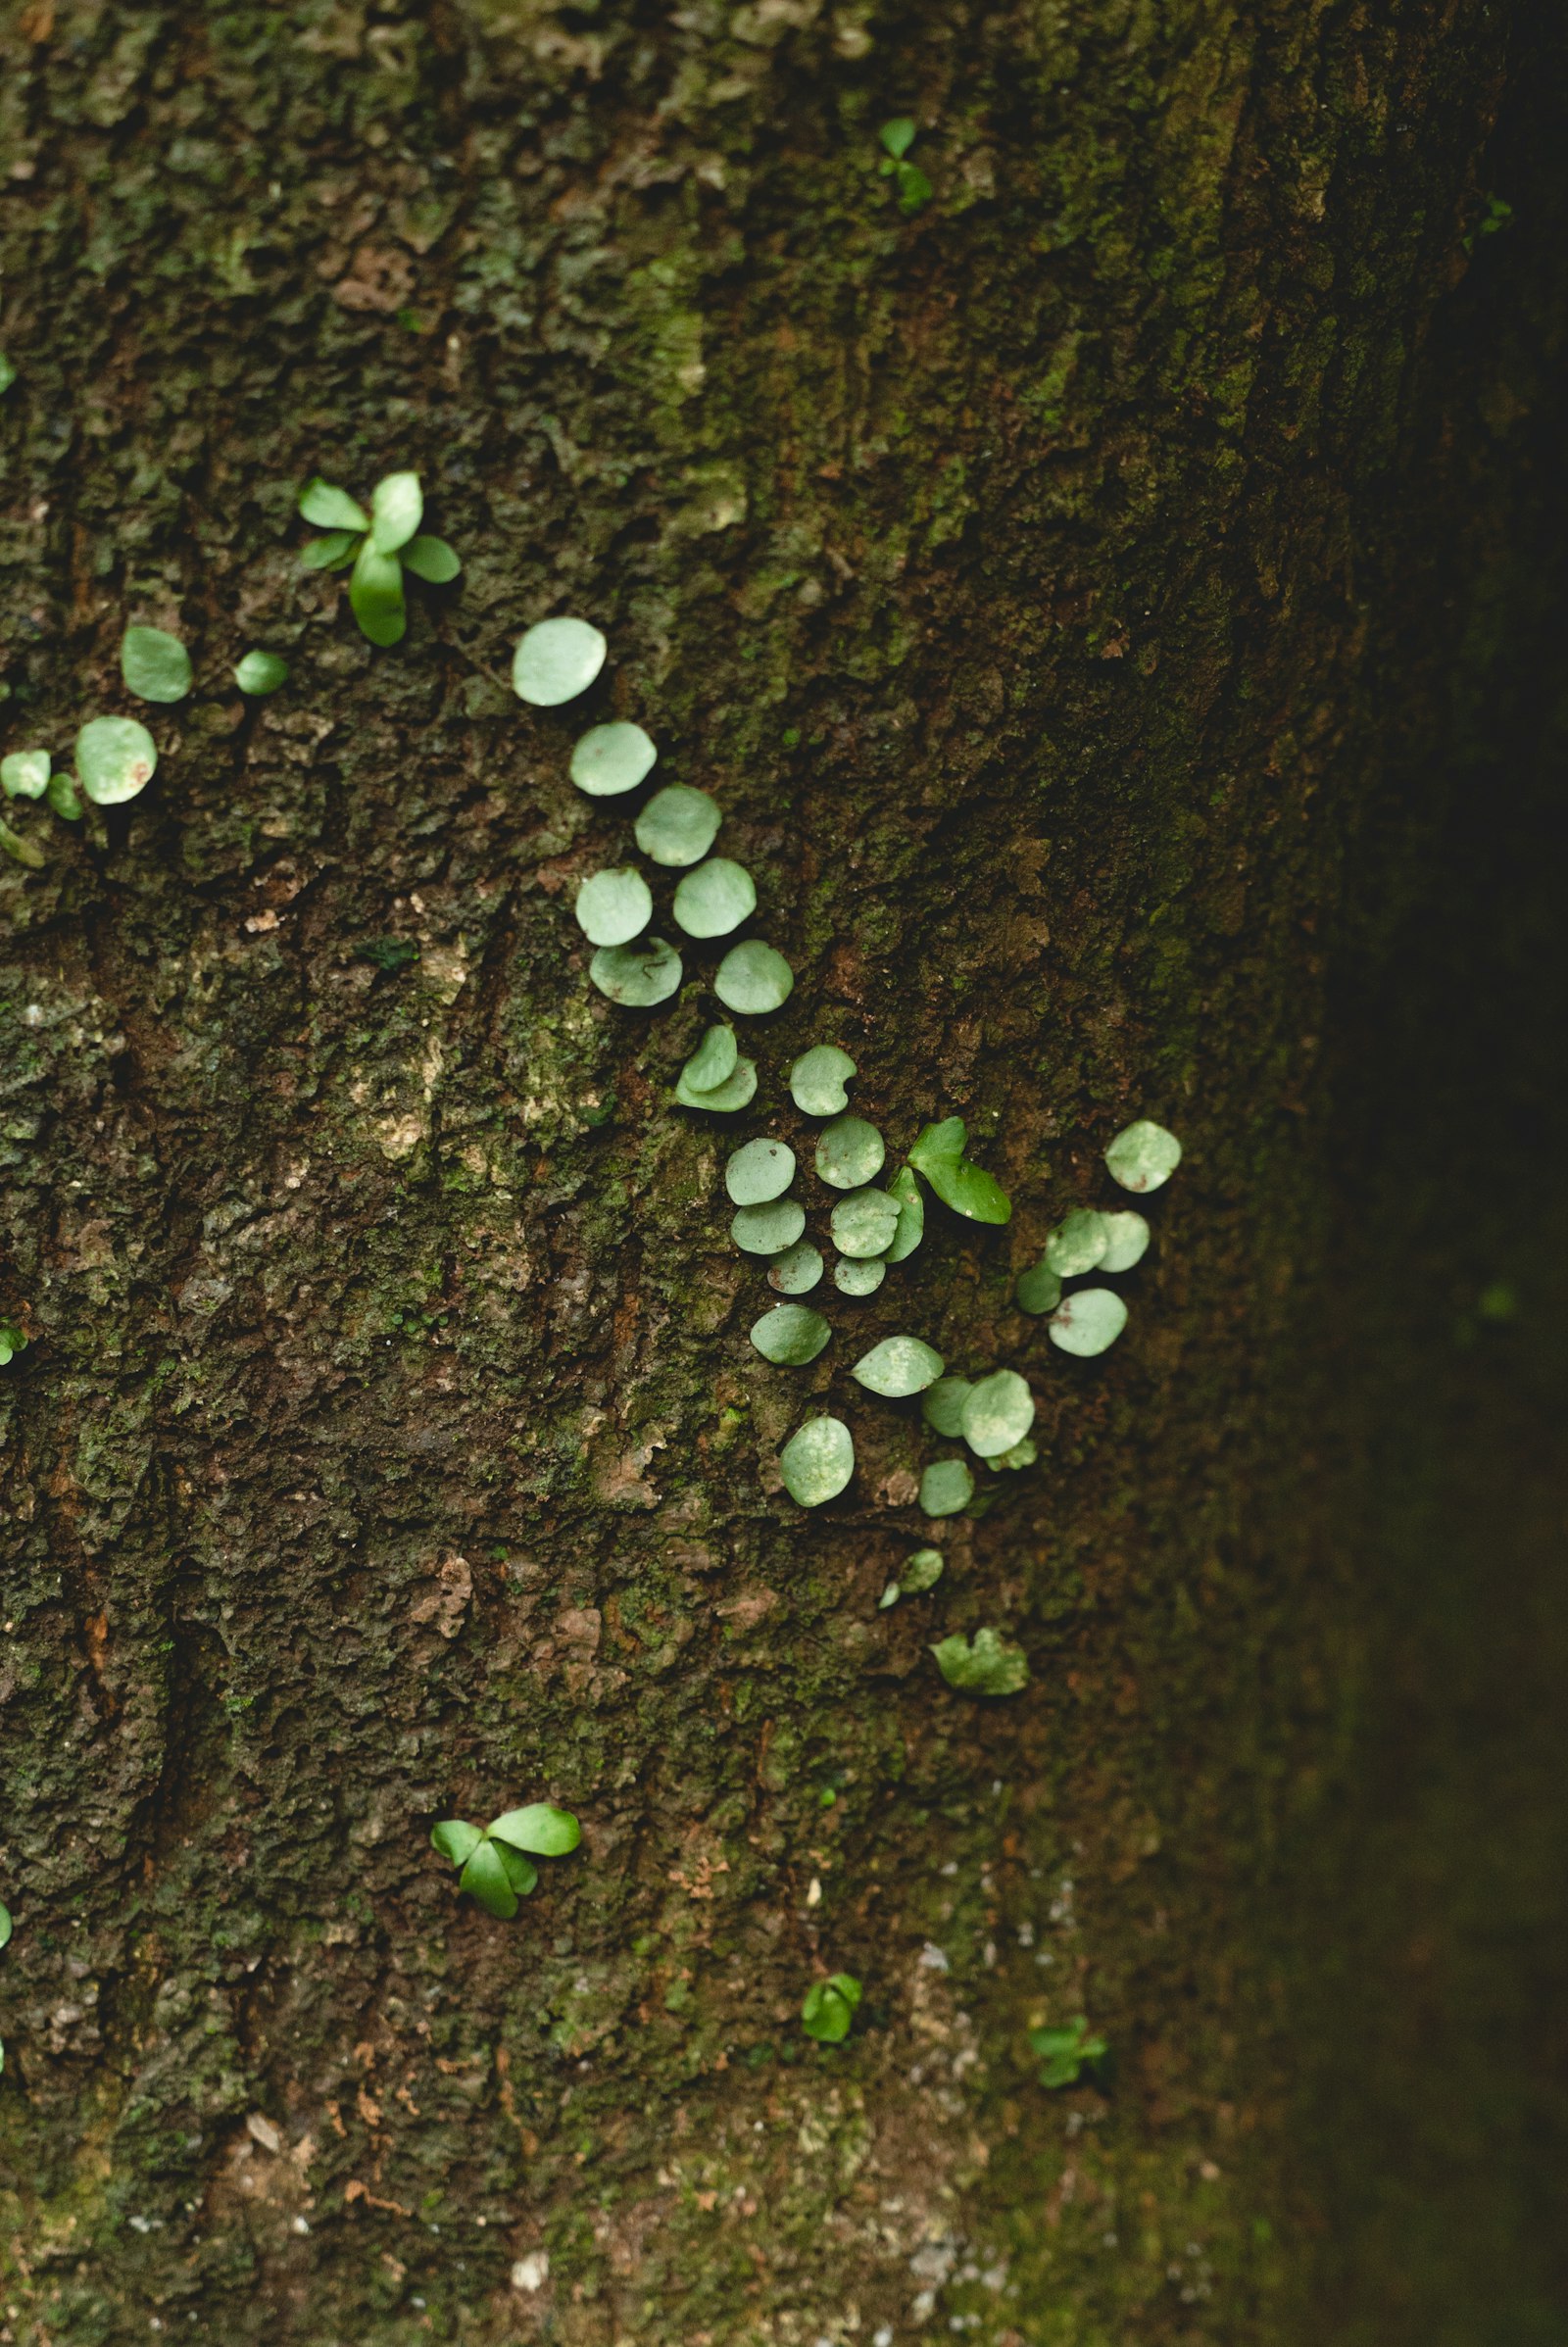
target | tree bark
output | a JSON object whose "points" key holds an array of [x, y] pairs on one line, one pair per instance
{"points": [[1105, 598]]}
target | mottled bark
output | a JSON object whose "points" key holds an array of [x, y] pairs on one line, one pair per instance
{"points": [[1095, 596]]}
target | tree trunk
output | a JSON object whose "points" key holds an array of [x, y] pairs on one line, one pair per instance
{"points": [[1108, 598]]}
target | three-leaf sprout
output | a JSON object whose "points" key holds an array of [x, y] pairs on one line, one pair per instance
{"points": [[376, 548], [496, 1861]]}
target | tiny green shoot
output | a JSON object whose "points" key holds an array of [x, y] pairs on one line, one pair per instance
{"points": [[829, 2010], [986, 1665], [1065, 2053], [496, 1862]]}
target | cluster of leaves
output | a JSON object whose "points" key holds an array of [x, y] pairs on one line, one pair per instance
{"points": [[828, 2013], [921, 1572], [11, 1342], [496, 1861], [1065, 2053], [986, 1665], [1088, 1320], [912, 186], [377, 549]]}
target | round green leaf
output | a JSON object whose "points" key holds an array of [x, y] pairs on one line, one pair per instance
{"points": [[942, 1405], [817, 1461], [486, 1879], [155, 664], [997, 1412], [548, 1832], [797, 1271], [945, 1488], [753, 979], [829, 2008], [1039, 1289], [612, 759], [850, 1153], [759, 1170], [715, 897], [637, 976], [115, 760], [1087, 1322], [455, 1839], [25, 774], [397, 508], [769, 1228], [905, 1191], [852, 1277], [938, 1153], [260, 672], [375, 595], [555, 660], [713, 1061], [817, 1080], [1143, 1157], [864, 1222], [679, 825], [432, 560], [791, 1333], [1077, 1243], [332, 508], [1127, 1243], [722, 1100], [897, 1366], [922, 1571], [615, 906]]}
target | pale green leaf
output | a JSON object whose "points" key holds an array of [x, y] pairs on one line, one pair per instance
{"points": [[715, 899], [817, 1461], [753, 979], [555, 660], [721, 1099], [769, 1228], [115, 760], [25, 774], [334, 551], [938, 1154], [679, 825], [990, 1665], [829, 2008], [1077, 1243], [850, 1153], [1143, 1157], [905, 1191], [548, 1832], [329, 508], [1127, 1243], [155, 664], [863, 1277], [455, 1839], [998, 1412], [713, 1061], [817, 1080], [797, 1271], [486, 1879], [1088, 1321], [942, 1405], [614, 906], [757, 1171], [922, 1571], [1039, 1289], [945, 1488], [611, 759], [864, 1222], [375, 595], [897, 1366], [638, 976], [397, 508], [432, 560], [791, 1333], [260, 672]]}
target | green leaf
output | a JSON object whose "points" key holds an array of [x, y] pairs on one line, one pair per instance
{"points": [[757, 1171], [753, 979], [331, 553], [990, 1666], [611, 759], [945, 1488], [817, 1080], [942, 1405], [736, 1091], [115, 760], [1087, 1322], [62, 798], [938, 1153], [1127, 1241], [905, 1191], [715, 899], [997, 1412], [850, 1153], [432, 560], [5, 1924], [25, 851], [331, 508], [555, 660], [830, 2008], [713, 1061], [865, 1223], [897, 1366], [1022, 1454], [1039, 1290], [797, 1271], [679, 825], [817, 1461], [898, 136], [1143, 1157], [1077, 1243], [638, 976], [922, 1570], [859, 1276], [548, 1832], [455, 1839], [25, 774], [397, 508], [791, 1335], [615, 906], [768, 1230], [260, 672], [486, 1879], [11, 1342], [375, 595], [914, 189], [889, 1597], [155, 664], [522, 1872], [8, 373], [1065, 2052]]}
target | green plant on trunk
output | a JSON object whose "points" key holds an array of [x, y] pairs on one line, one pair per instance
{"points": [[496, 1861], [911, 183], [377, 549], [1065, 2053], [828, 2012]]}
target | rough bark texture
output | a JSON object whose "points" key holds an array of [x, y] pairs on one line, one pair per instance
{"points": [[1062, 588]]}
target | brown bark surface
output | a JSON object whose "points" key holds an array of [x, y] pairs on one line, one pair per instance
{"points": [[1110, 602]]}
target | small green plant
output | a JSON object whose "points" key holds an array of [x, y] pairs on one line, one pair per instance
{"points": [[11, 1342], [828, 2013], [912, 186], [376, 548], [1065, 2053], [495, 1861], [990, 1665], [938, 1154], [155, 665], [5, 1934], [8, 373]]}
